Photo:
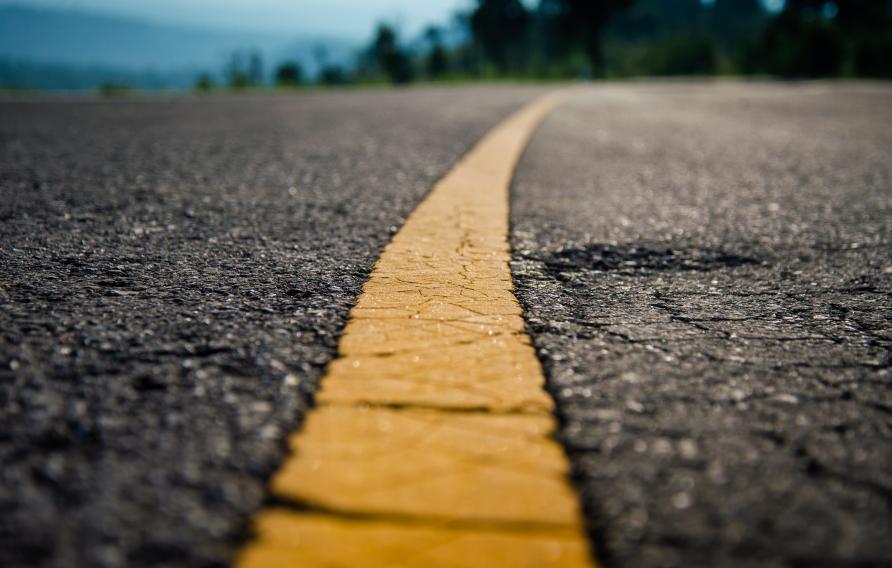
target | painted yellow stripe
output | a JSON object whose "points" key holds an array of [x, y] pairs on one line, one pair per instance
{"points": [[432, 441]]}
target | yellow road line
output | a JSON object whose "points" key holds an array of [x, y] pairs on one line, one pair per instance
{"points": [[432, 441]]}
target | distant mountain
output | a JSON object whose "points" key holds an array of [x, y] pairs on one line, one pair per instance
{"points": [[35, 39], [23, 75]]}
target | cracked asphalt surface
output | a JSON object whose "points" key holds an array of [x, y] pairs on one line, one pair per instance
{"points": [[706, 271], [707, 276], [175, 274]]}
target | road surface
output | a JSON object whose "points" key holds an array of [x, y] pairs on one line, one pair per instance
{"points": [[705, 271]]}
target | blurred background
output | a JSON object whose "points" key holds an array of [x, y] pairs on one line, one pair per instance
{"points": [[117, 46]]}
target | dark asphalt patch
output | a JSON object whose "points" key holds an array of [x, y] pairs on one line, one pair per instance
{"points": [[706, 273], [641, 258], [175, 274]]}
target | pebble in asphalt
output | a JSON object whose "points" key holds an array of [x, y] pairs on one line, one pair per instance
{"points": [[175, 274], [707, 276]]}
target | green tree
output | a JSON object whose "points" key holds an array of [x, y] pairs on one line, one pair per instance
{"points": [[289, 74], [236, 72], [866, 27], [733, 21], [333, 75], [580, 24], [466, 58], [820, 38], [799, 42], [501, 28], [649, 20], [681, 55], [204, 83], [388, 57], [437, 63], [255, 68], [114, 89]]}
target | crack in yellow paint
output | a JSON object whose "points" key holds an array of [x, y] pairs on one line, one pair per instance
{"points": [[435, 408], [321, 540]]}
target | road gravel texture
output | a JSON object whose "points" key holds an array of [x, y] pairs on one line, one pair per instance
{"points": [[706, 271], [175, 274]]}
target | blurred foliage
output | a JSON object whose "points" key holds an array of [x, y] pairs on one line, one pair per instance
{"points": [[564, 39], [333, 75], [622, 38], [810, 38], [437, 62], [204, 83], [501, 30], [289, 74], [244, 70], [386, 57], [111, 89], [676, 55], [580, 25]]}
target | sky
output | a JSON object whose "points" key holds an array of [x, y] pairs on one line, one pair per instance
{"points": [[336, 17]]}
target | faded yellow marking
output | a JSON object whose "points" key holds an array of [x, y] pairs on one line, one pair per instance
{"points": [[427, 463], [323, 540], [432, 442]]}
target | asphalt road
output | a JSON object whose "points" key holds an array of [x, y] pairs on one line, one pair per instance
{"points": [[707, 276], [706, 272], [175, 276]]}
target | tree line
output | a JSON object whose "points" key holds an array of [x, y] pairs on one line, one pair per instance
{"points": [[562, 39]]}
